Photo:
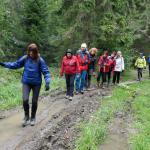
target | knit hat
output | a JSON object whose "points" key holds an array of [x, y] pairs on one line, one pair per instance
{"points": [[69, 51], [83, 45]]}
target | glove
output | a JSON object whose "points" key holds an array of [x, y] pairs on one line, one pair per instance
{"points": [[2, 64], [47, 87]]}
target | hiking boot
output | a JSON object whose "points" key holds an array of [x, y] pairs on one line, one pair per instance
{"points": [[32, 121], [82, 92], [70, 98], [85, 89], [67, 96], [76, 92], [98, 84], [102, 86], [26, 121]]}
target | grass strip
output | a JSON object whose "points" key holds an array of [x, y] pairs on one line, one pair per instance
{"points": [[94, 131], [140, 140]]}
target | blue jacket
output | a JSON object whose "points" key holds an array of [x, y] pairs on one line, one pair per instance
{"points": [[33, 70]]}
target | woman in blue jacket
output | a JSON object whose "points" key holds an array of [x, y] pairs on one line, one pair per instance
{"points": [[34, 67]]}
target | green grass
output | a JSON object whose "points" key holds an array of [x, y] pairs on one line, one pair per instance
{"points": [[11, 87], [129, 75], [94, 131], [141, 107]]}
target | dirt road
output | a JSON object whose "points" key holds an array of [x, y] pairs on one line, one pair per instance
{"points": [[56, 122]]}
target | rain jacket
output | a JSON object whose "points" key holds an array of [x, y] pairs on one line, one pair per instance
{"points": [[33, 70], [69, 66], [104, 64], [140, 62]]}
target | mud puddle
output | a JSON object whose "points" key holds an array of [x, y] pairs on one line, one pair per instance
{"points": [[56, 120]]}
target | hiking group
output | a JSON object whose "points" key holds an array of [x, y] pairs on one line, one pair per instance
{"points": [[81, 67], [78, 69]]}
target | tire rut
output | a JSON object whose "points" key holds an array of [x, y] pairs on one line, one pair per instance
{"points": [[55, 128]]}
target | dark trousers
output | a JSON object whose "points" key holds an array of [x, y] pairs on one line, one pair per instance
{"points": [[26, 94], [140, 73], [116, 77], [89, 80], [105, 77], [149, 70], [70, 84]]}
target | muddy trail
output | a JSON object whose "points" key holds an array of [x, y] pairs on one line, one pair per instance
{"points": [[56, 122], [121, 126]]}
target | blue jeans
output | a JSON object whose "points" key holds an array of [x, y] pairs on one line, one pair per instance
{"points": [[80, 80]]}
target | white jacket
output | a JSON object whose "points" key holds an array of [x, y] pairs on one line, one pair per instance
{"points": [[119, 64]]}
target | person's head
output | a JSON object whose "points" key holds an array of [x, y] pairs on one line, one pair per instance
{"points": [[119, 54], [105, 54], [113, 54], [93, 51], [141, 55], [33, 51], [69, 53], [83, 46]]}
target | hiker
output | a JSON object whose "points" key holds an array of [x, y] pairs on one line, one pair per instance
{"points": [[104, 66], [148, 60], [69, 67], [34, 66], [91, 66], [119, 67], [140, 64], [112, 65], [83, 59]]}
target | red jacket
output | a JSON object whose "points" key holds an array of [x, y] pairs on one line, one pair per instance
{"points": [[83, 61], [104, 64], [69, 66]]}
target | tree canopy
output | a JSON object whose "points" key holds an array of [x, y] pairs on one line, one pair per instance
{"points": [[62, 24]]}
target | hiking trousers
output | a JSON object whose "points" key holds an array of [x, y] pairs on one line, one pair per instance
{"points": [[105, 77], [70, 84], [140, 73], [35, 95], [116, 77]]}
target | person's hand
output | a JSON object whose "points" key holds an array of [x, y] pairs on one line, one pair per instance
{"points": [[61, 75], [78, 75], [86, 62], [2, 64], [47, 87]]}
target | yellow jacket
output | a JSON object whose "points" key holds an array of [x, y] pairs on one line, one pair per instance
{"points": [[140, 62]]}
